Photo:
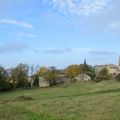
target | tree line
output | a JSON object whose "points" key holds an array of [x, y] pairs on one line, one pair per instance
{"points": [[24, 75]]}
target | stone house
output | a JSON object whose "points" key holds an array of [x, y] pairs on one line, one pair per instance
{"points": [[83, 77], [43, 82]]}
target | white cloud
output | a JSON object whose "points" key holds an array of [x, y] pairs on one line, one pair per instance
{"points": [[80, 7], [16, 23], [90, 6], [24, 34], [89, 15]]}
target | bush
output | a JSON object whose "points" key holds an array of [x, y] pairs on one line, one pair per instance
{"points": [[117, 77], [6, 86]]}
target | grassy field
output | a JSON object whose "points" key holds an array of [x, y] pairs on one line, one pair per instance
{"points": [[79, 101]]}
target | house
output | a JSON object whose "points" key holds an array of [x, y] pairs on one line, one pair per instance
{"points": [[43, 82], [113, 69], [83, 77], [61, 79], [98, 68]]}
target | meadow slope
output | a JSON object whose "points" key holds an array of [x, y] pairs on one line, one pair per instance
{"points": [[78, 101]]}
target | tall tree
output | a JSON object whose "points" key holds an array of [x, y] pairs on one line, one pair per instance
{"points": [[33, 75], [19, 75], [72, 71], [43, 71], [87, 69], [52, 75], [4, 83]]}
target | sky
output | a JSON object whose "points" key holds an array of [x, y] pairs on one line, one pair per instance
{"points": [[59, 32]]}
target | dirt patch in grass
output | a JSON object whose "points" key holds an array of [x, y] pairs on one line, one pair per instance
{"points": [[22, 98], [17, 99]]}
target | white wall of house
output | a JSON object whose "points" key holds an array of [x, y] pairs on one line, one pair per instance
{"points": [[83, 77], [43, 82]]}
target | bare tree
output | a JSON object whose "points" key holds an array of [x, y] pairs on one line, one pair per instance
{"points": [[32, 71]]}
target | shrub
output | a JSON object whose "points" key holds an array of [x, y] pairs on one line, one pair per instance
{"points": [[117, 77]]}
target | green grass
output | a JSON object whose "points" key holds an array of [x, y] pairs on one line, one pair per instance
{"points": [[79, 101]]}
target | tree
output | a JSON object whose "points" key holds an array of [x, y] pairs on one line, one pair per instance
{"points": [[43, 71], [72, 71], [87, 69], [117, 77], [36, 80], [103, 75], [82, 68], [4, 83], [33, 75], [19, 75], [52, 75]]}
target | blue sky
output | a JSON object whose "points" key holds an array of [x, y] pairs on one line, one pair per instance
{"points": [[59, 32]]}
